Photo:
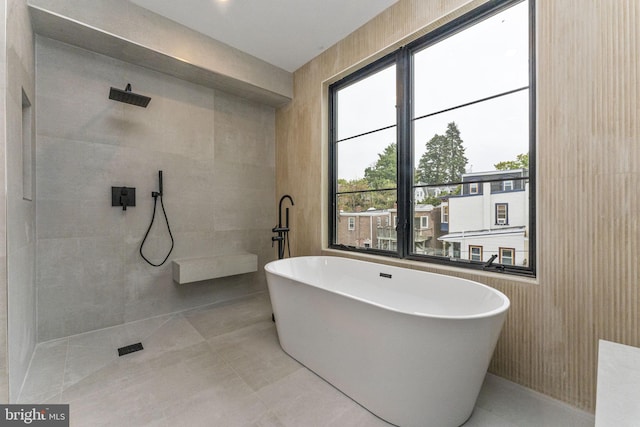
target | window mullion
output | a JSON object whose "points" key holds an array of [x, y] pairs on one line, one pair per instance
{"points": [[333, 173], [405, 221]]}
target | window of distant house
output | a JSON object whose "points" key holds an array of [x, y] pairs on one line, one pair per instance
{"points": [[352, 223], [502, 213], [506, 256], [424, 222], [475, 253], [444, 118]]}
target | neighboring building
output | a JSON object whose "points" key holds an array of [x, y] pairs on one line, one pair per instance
{"points": [[376, 228], [490, 216], [360, 228]]}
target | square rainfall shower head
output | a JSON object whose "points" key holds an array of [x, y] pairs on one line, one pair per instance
{"points": [[129, 97]]}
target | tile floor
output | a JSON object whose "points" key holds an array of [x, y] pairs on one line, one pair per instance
{"points": [[221, 365]]}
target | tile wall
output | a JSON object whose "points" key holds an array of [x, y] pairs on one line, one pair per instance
{"points": [[217, 154], [19, 213]]}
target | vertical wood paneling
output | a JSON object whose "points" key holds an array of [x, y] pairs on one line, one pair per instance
{"points": [[588, 183]]}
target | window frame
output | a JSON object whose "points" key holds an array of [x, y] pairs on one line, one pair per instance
{"points": [[513, 255], [351, 223], [424, 219], [506, 214], [402, 58], [444, 214], [471, 247], [474, 188]]}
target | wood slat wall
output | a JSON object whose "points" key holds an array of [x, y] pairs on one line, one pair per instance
{"points": [[588, 182]]}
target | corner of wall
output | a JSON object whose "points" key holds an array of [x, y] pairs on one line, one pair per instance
{"points": [[20, 213]]}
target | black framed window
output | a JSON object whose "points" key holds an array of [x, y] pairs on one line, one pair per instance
{"points": [[435, 134]]}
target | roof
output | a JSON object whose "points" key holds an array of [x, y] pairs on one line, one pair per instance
{"points": [[483, 233]]}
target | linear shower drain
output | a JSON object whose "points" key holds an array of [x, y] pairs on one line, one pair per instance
{"points": [[130, 349]]}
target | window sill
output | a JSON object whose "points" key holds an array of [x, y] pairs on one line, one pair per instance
{"points": [[447, 270]]}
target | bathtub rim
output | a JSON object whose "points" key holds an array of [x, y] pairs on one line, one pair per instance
{"points": [[501, 310]]}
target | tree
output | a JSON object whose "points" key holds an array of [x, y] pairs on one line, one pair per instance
{"points": [[350, 201], [383, 174], [444, 160], [521, 162], [430, 200]]}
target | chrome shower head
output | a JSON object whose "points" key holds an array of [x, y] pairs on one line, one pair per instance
{"points": [[129, 97]]}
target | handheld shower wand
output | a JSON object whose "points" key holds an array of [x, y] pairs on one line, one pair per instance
{"points": [[156, 195]]}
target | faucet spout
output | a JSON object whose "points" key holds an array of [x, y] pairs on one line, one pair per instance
{"points": [[282, 229], [286, 196]]}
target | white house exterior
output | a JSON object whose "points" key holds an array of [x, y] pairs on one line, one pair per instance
{"points": [[490, 217]]}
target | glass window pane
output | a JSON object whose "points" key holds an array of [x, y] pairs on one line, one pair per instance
{"points": [[481, 137], [504, 225], [506, 256], [367, 220], [467, 196], [475, 253], [426, 223], [463, 67], [431, 218], [367, 105], [368, 162]]}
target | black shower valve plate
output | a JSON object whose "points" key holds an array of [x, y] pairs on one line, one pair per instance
{"points": [[117, 194]]}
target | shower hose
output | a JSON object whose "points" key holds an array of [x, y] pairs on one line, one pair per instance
{"points": [[153, 217]]}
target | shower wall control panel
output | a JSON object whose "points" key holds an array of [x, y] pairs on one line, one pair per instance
{"points": [[123, 197]]}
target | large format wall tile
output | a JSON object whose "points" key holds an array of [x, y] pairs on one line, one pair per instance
{"points": [[217, 154]]}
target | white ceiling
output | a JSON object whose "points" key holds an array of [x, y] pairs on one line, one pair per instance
{"points": [[285, 33]]}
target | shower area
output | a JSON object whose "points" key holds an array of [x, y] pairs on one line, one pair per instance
{"points": [[217, 155], [216, 151]]}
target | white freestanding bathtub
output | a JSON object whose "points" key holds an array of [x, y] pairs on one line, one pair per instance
{"points": [[411, 347]]}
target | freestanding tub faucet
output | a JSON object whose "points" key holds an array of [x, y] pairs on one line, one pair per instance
{"points": [[283, 230]]}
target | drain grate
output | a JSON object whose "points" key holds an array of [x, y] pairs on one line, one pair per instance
{"points": [[130, 349]]}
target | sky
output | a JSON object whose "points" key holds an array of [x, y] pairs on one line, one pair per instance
{"points": [[455, 71]]}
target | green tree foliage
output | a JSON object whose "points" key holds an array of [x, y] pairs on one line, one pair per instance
{"points": [[521, 162], [383, 173], [444, 161], [380, 175], [430, 200], [349, 202]]}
